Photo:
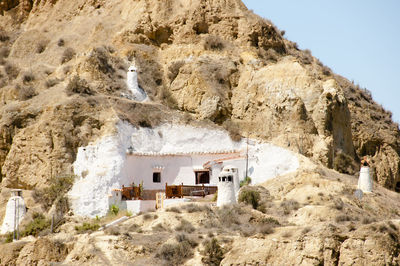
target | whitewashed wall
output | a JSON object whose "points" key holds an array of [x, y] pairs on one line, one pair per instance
{"points": [[176, 169]]}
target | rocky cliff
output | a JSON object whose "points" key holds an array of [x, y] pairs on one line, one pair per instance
{"points": [[63, 67], [206, 62]]}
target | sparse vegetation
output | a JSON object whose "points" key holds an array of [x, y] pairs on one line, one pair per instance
{"points": [[51, 82], [25, 92], [289, 205], [177, 253], [250, 197], [174, 209], [55, 192], [114, 209], [158, 228], [87, 227], [213, 253], [11, 70], [246, 181], [67, 55], [213, 42], [185, 226], [343, 218], [173, 69], [41, 46], [195, 208], [37, 225], [79, 86], [3, 36]]}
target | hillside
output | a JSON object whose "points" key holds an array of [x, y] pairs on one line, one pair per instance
{"points": [[210, 64]]}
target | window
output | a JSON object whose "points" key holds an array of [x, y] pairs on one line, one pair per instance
{"points": [[156, 177], [202, 177]]}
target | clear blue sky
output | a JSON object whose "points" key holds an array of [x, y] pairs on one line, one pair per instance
{"points": [[358, 39]]}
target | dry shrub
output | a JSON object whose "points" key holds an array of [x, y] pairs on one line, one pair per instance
{"points": [[25, 92], [213, 42], [52, 82], [175, 254], [233, 129], [344, 163], [173, 209], [67, 55], [306, 57], [99, 60], [250, 197], [159, 228], [266, 229], [61, 42], [147, 216], [173, 69], [247, 230], [289, 205], [185, 226], [3, 36], [184, 238], [190, 208], [28, 77], [213, 253], [4, 52], [338, 204], [79, 86], [41, 46], [113, 230], [306, 230], [11, 70], [229, 215], [367, 220], [343, 218]]}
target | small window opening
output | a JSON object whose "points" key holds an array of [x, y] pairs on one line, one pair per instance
{"points": [[156, 177], [230, 178]]}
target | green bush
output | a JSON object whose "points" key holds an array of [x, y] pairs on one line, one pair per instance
{"points": [[85, 227], [114, 209], [245, 181], [213, 252], [55, 193], [250, 197], [38, 224]]}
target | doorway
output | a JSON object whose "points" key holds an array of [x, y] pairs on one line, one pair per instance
{"points": [[202, 177]]}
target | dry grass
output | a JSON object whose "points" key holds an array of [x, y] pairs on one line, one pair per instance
{"points": [[67, 55], [213, 42], [185, 226], [289, 205], [213, 253], [78, 86], [11, 70]]}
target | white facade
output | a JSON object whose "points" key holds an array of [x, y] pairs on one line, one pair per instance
{"points": [[174, 169], [15, 212], [365, 181]]}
